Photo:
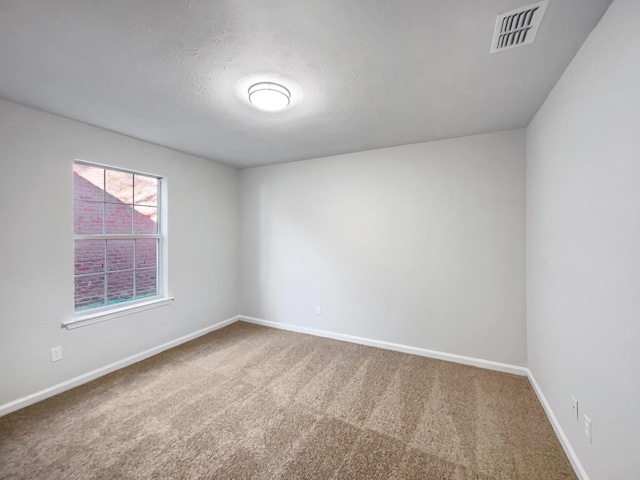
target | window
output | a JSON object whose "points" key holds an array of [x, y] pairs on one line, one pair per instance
{"points": [[118, 239]]}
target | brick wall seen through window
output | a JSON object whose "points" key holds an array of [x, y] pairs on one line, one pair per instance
{"points": [[117, 236]]}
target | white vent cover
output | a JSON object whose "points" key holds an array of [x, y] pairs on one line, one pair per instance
{"points": [[518, 27]]}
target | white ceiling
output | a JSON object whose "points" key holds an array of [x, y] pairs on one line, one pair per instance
{"points": [[364, 74]]}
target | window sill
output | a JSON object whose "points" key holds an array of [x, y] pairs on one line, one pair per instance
{"points": [[95, 317]]}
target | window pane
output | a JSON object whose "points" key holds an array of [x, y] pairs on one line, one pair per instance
{"points": [[110, 202], [145, 190], [89, 256], [118, 218], [119, 255], [119, 286], [88, 183], [146, 256], [146, 284], [119, 187], [145, 219], [87, 217], [89, 291]]}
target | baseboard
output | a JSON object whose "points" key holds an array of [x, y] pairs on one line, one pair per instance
{"points": [[423, 352], [564, 441], [99, 372], [476, 362]]}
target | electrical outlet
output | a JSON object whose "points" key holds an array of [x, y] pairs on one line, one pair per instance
{"points": [[318, 310], [587, 427], [575, 408], [56, 354]]}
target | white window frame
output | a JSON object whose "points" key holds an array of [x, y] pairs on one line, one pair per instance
{"points": [[107, 312]]}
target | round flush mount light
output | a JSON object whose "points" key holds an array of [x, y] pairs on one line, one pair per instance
{"points": [[269, 96]]}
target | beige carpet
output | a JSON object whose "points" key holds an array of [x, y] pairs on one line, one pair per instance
{"points": [[254, 402]]}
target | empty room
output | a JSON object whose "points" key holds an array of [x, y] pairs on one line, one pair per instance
{"points": [[320, 239]]}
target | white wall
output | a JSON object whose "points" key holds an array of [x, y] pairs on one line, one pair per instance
{"points": [[421, 245], [583, 246], [37, 151]]}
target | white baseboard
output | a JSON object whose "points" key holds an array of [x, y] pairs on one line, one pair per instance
{"points": [[423, 352], [476, 362], [99, 372], [564, 441]]}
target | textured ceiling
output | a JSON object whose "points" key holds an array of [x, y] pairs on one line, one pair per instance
{"points": [[363, 74]]}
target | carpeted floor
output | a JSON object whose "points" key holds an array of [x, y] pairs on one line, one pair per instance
{"points": [[254, 402]]}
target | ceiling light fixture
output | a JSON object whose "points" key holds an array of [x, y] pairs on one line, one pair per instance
{"points": [[269, 96]]}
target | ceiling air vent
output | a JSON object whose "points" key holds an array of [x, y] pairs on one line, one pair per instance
{"points": [[518, 27]]}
